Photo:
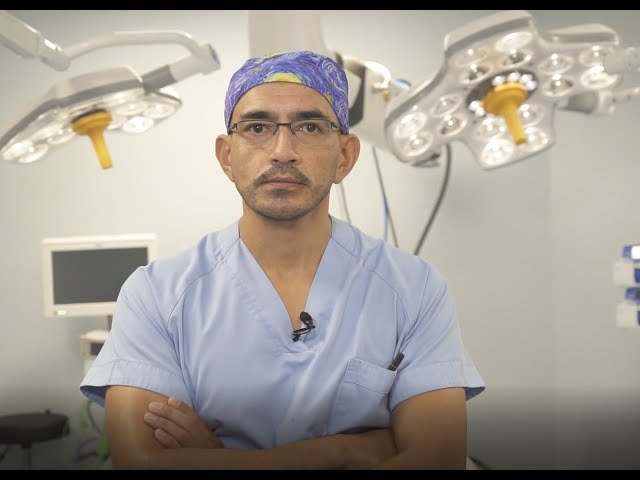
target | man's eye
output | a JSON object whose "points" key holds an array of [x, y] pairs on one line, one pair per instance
{"points": [[308, 127], [256, 128]]}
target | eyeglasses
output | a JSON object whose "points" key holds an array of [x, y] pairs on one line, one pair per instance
{"points": [[311, 132]]}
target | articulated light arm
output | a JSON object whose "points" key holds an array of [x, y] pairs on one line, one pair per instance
{"points": [[202, 58], [113, 99], [372, 89], [30, 43]]}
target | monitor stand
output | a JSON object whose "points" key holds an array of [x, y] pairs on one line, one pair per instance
{"points": [[92, 342]]}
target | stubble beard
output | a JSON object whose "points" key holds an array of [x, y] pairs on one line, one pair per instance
{"points": [[280, 206]]}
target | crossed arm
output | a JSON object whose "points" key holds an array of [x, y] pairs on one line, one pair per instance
{"points": [[147, 430]]}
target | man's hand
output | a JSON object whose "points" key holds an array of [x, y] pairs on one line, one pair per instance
{"points": [[176, 425]]}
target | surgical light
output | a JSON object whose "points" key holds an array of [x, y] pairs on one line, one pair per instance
{"points": [[115, 99], [499, 86]]}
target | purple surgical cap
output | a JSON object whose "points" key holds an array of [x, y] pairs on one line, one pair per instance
{"points": [[306, 68]]}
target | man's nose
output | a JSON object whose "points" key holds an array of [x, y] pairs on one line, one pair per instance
{"points": [[284, 144]]}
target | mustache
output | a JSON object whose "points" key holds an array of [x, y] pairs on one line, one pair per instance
{"points": [[282, 169]]}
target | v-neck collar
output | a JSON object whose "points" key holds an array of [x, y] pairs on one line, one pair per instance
{"points": [[267, 304]]}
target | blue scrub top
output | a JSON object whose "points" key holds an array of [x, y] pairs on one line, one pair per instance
{"points": [[208, 327]]}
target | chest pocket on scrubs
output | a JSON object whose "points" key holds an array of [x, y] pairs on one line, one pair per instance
{"points": [[362, 400]]}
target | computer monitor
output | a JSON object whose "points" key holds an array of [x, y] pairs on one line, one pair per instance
{"points": [[82, 276]]}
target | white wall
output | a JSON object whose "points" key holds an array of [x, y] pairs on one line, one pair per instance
{"points": [[593, 186], [528, 249]]}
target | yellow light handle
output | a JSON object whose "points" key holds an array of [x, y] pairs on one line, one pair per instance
{"points": [[93, 125], [504, 100]]}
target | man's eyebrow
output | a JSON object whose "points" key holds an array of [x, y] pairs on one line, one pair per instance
{"points": [[311, 114], [265, 115], [257, 114]]}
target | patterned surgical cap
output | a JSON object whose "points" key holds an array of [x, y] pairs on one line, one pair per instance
{"points": [[307, 68]]}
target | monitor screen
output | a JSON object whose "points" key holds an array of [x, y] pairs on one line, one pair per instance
{"points": [[82, 276]]}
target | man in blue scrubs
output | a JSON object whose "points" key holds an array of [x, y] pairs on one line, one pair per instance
{"points": [[289, 339]]}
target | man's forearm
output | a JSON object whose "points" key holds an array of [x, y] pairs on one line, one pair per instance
{"points": [[319, 453], [174, 437]]}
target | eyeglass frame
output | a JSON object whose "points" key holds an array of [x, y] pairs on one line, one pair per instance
{"points": [[234, 127]]}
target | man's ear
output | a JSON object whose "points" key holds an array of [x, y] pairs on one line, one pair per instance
{"points": [[223, 153], [349, 153]]}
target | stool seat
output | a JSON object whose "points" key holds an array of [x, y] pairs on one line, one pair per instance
{"points": [[27, 428]]}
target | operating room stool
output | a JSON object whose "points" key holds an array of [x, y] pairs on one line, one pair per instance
{"points": [[28, 428]]}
